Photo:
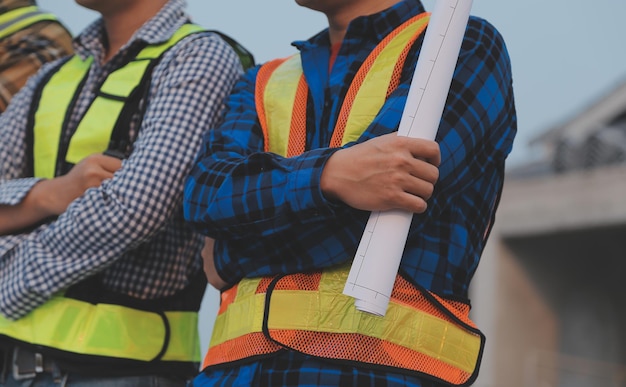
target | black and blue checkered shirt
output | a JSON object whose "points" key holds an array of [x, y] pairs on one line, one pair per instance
{"points": [[270, 217], [130, 230]]}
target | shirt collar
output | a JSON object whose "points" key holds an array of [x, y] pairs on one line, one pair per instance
{"points": [[156, 30], [375, 26]]}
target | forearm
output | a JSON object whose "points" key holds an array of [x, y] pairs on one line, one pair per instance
{"points": [[233, 197], [144, 195], [35, 207]]}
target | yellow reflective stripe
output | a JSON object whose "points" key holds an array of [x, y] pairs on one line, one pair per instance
{"points": [[106, 330], [20, 18], [88, 142], [280, 92], [404, 326], [279, 97], [95, 129], [124, 80], [184, 342], [372, 94], [49, 117], [154, 51], [329, 310], [229, 325]]}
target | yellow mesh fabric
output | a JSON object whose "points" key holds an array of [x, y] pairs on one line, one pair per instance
{"points": [[297, 133], [261, 80], [368, 350], [405, 293]]}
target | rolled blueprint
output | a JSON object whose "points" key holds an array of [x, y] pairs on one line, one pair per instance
{"points": [[379, 253]]}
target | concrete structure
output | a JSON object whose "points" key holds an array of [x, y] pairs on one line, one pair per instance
{"points": [[549, 291]]}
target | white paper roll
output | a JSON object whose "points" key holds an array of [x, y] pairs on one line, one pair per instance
{"points": [[378, 256]]}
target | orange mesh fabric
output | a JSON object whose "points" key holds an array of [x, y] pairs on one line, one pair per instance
{"points": [[264, 284], [342, 120], [299, 281], [405, 293], [368, 350], [347, 346], [252, 344]]}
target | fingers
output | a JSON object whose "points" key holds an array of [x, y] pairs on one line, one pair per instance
{"points": [[401, 190], [387, 172], [109, 163], [423, 149], [96, 168]]}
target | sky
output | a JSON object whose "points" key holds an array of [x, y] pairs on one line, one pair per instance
{"points": [[565, 54]]}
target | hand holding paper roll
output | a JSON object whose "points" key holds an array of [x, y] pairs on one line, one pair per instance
{"points": [[379, 253], [369, 185]]}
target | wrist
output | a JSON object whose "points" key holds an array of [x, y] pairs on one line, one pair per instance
{"points": [[41, 199], [328, 183]]}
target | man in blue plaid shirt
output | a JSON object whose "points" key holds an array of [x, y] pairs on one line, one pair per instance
{"points": [[100, 278], [277, 215]]}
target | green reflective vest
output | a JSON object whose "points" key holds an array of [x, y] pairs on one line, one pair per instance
{"points": [[74, 326]]}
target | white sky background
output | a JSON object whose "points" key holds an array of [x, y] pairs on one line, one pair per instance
{"points": [[565, 53]]}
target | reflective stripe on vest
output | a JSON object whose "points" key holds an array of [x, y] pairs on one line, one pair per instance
{"points": [[280, 94], [108, 330], [81, 327], [94, 131], [421, 333], [20, 18]]}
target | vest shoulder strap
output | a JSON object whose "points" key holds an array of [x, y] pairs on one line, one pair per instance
{"points": [[105, 124], [245, 57], [281, 92], [120, 135]]}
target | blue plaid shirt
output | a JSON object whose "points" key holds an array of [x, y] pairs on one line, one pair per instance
{"points": [[268, 213], [130, 230]]}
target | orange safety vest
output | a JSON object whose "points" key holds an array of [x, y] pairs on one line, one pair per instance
{"points": [[421, 333]]}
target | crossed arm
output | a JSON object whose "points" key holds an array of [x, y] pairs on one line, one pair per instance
{"points": [[387, 172], [52, 197]]}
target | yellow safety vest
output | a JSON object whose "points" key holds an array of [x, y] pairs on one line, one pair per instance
{"points": [[421, 333], [75, 326], [20, 18], [95, 129]]}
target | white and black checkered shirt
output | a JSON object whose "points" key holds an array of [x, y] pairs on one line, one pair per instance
{"points": [[130, 229]]}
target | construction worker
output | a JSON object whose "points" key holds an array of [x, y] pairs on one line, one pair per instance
{"points": [[285, 186], [29, 38], [100, 278]]}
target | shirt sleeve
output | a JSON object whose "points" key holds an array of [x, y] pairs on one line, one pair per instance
{"points": [[186, 97], [475, 136], [237, 190], [14, 185], [479, 121], [271, 216]]}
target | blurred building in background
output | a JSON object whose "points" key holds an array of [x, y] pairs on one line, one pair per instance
{"points": [[550, 292]]}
